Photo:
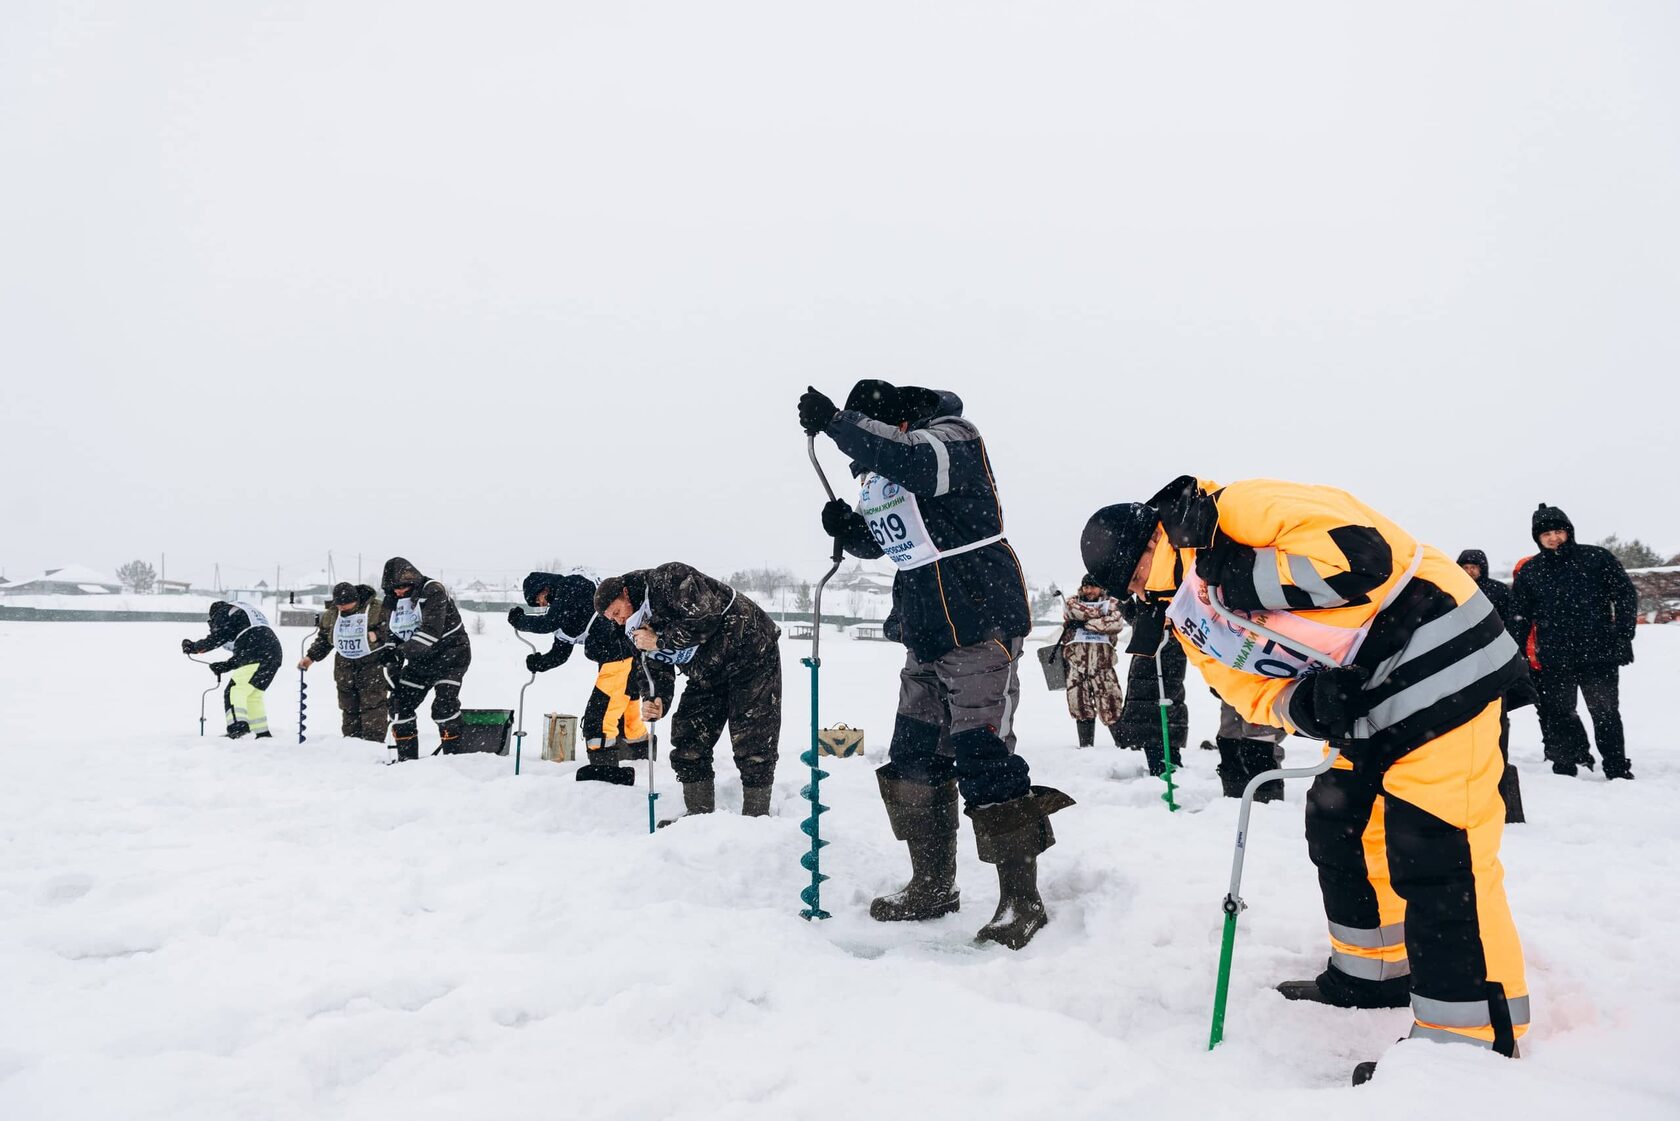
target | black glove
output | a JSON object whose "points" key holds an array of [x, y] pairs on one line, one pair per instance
{"points": [[1224, 562], [219, 668], [840, 520], [1149, 626], [535, 663], [391, 656], [815, 410], [516, 615], [187, 646], [1326, 704]]}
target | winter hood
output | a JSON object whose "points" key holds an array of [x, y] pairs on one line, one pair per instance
{"points": [[1548, 518], [1474, 556], [400, 573]]}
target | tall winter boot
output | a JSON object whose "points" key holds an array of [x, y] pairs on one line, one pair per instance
{"points": [[1010, 835], [1116, 732], [925, 818], [755, 801], [1260, 756], [1337, 989], [603, 767], [635, 750], [1511, 792], [698, 798], [1087, 732], [408, 748]]}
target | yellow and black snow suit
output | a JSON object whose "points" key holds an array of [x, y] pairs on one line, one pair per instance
{"points": [[1405, 829]]}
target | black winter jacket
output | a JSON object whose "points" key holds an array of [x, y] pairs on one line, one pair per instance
{"points": [[230, 626], [703, 626], [1582, 603], [570, 613], [442, 637], [960, 600]]}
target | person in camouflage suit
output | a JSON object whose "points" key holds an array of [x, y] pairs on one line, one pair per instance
{"points": [[1091, 620]]}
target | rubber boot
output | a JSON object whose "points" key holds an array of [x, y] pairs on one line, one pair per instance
{"points": [[1115, 734], [755, 801], [635, 750], [698, 798], [270, 735], [1233, 776], [1511, 792], [1337, 989], [1010, 835], [603, 767], [1087, 732], [1260, 756], [925, 818], [237, 729], [408, 749], [1363, 1073]]}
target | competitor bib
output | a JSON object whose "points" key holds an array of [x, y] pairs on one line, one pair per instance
{"points": [[895, 521], [405, 618], [1083, 635], [1248, 652], [255, 617], [350, 635]]}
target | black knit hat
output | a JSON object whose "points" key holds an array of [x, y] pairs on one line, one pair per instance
{"points": [[345, 593], [1474, 556], [1089, 580], [891, 404], [1114, 541], [611, 587], [1549, 518]]}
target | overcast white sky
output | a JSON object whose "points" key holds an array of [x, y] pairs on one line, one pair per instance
{"points": [[490, 283]]}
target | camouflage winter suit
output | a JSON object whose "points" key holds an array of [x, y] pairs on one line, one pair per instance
{"points": [[1093, 688]]}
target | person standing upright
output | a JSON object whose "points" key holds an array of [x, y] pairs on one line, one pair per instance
{"points": [[929, 504], [350, 626], [1584, 609], [1091, 620]]}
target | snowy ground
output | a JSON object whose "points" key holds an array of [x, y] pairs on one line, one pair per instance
{"points": [[196, 929]]}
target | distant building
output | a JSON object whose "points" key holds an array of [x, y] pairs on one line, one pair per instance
{"points": [[72, 580]]}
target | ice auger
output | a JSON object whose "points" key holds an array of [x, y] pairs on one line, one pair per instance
{"points": [[812, 825]]}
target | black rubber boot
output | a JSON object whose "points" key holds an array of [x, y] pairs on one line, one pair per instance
{"points": [[1337, 989], [1087, 732], [1511, 792], [1260, 756], [925, 818], [755, 801], [603, 767], [1114, 731], [1363, 1073], [237, 729], [1567, 769], [1625, 772], [1233, 776], [408, 750], [698, 798], [1010, 835], [635, 750]]}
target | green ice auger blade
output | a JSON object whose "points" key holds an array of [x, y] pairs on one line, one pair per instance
{"points": [[1222, 988], [1166, 756]]}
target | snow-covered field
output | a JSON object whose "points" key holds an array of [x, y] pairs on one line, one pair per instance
{"points": [[196, 929]]}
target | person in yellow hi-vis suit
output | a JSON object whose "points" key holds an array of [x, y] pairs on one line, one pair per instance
{"points": [[253, 660], [1405, 829]]}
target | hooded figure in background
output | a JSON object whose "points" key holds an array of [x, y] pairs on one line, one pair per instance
{"points": [[1389, 651], [929, 504], [351, 626], [564, 606], [427, 651], [254, 657], [1585, 612]]}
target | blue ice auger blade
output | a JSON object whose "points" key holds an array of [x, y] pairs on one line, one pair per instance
{"points": [[809, 825], [808, 791], [809, 861], [809, 758]]}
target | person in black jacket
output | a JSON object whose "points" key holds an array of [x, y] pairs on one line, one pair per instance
{"points": [[1474, 562], [564, 606], [929, 504], [729, 653], [254, 659], [1584, 610], [1140, 717], [427, 650]]}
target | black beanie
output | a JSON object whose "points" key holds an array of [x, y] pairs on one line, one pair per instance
{"points": [[344, 593], [1549, 518], [891, 404], [1114, 541]]}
